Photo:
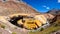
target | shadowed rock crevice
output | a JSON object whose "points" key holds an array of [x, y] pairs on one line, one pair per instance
{"points": [[15, 19]]}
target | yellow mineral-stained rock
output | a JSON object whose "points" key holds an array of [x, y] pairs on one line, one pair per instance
{"points": [[30, 23], [20, 22], [42, 18], [38, 22], [27, 22]]}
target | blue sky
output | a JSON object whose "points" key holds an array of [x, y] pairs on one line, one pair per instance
{"points": [[44, 5]]}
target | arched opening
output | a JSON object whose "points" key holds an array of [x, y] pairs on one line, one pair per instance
{"points": [[26, 22]]}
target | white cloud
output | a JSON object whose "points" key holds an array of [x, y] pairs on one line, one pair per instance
{"points": [[58, 1], [47, 8]]}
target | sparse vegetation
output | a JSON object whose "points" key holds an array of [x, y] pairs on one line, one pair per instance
{"points": [[58, 22], [13, 32], [42, 29], [3, 26]]}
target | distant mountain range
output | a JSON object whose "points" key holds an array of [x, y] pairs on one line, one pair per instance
{"points": [[54, 11]]}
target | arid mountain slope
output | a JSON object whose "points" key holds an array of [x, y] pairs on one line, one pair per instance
{"points": [[11, 7]]}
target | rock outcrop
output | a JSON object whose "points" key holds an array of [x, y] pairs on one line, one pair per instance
{"points": [[55, 13]]}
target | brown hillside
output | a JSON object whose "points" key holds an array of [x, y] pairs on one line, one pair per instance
{"points": [[10, 7]]}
